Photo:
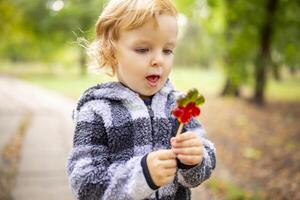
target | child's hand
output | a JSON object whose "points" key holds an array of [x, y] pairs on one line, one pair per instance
{"points": [[188, 148], [162, 166]]}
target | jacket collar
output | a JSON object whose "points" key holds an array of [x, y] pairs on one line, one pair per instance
{"points": [[119, 92]]}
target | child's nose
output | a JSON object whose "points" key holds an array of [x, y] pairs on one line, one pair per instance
{"points": [[157, 60]]}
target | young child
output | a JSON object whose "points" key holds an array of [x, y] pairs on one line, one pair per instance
{"points": [[124, 144]]}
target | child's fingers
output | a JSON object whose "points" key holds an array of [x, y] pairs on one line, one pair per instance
{"points": [[169, 179], [166, 154], [188, 151], [190, 160], [187, 143], [185, 136], [169, 164], [170, 172]]}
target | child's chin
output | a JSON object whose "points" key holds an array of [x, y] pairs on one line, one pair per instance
{"points": [[147, 95]]}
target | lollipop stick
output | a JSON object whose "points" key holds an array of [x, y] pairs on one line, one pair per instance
{"points": [[179, 129]]}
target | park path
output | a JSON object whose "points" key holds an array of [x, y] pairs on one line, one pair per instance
{"points": [[41, 173], [47, 142]]}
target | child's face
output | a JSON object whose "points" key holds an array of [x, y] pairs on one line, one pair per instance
{"points": [[145, 55]]}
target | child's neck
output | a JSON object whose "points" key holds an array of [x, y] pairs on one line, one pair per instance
{"points": [[145, 98]]}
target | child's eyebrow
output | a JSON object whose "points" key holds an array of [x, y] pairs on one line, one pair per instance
{"points": [[142, 41], [147, 42], [171, 43]]}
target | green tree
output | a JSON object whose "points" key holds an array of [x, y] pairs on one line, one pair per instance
{"points": [[256, 41], [82, 16], [251, 37], [266, 31], [35, 29]]}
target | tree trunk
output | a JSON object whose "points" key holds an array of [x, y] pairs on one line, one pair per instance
{"points": [[292, 70], [276, 71], [263, 58], [230, 89]]}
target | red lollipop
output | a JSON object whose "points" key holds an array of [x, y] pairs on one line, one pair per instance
{"points": [[187, 107]]}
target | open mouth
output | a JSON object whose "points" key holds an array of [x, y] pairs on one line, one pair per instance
{"points": [[153, 80]]}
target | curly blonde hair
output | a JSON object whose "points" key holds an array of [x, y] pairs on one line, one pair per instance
{"points": [[122, 15]]}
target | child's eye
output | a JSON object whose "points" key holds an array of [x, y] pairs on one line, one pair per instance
{"points": [[141, 50], [168, 51]]}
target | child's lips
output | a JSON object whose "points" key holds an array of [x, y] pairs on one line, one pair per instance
{"points": [[153, 80]]}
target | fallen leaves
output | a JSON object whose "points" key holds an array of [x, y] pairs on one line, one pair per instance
{"points": [[9, 159], [259, 146]]}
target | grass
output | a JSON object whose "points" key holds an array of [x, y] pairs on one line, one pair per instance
{"points": [[207, 81], [287, 89], [210, 81], [68, 85]]}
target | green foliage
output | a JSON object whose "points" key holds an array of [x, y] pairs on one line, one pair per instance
{"points": [[186, 6], [195, 48], [223, 33], [286, 44], [34, 30]]}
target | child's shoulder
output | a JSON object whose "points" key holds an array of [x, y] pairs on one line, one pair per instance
{"points": [[110, 91], [96, 92], [95, 97]]}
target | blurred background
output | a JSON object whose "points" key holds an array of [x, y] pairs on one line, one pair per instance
{"points": [[242, 55]]}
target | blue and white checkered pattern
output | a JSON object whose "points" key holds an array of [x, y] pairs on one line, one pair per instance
{"points": [[114, 131]]}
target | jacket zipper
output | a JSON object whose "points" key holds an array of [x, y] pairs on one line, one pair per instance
{"points": [[151, 114]]}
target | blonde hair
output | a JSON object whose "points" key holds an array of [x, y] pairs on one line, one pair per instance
{"points": [[125, 15]]}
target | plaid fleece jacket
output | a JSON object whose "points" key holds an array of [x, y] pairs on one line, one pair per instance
{"points": [[114, 132]]}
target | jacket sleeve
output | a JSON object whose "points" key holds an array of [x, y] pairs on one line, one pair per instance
{"points": [[192, 177], [91, 173]]}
